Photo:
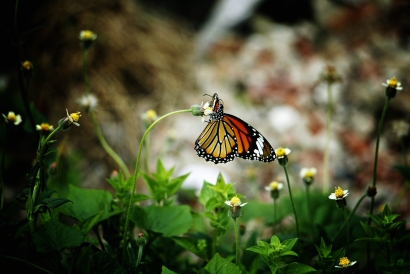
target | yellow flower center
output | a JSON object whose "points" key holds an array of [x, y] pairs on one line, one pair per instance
{"points": [[344, 261], [45, 127], [339, 192], [309, 173], [274, 185], [280, 152], [235, 201], [12, 117], [27, 65], [75, 116], [87, 34], [151, 115], [393, 82]]}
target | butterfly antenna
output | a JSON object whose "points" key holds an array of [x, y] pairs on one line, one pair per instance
{"points": [[207, 95]]}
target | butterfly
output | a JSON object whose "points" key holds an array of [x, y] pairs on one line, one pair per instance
{"points": [[226, 137]]}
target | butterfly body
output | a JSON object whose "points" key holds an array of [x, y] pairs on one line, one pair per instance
{"points": [[227, 136]]}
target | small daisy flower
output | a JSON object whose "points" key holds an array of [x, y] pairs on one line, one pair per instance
{"points": [[12, 118], [87, 35], [308, 174], [44, 127], [89, 102], [339, 194], [87, 38], [235, 204], [207, 110], [344, 263], [282, 154], [274, 188], [149, 117], [70, 120], [391, 87]]}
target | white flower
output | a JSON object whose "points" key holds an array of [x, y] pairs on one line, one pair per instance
{"points": [[308, 172], [88, 101], [282, 152], [339, 194], [87, 35], [44, 127], [344, 263], [207, 110], [12, 118], [235, 202], [274, 186], [74, 117], [392, 83]]}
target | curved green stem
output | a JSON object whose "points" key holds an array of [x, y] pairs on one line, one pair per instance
{"points": [[293, 204], [350, 215], [135, 175], [97, 128], [328, 133], [235, 225], [377, 154], [107, 147], [31, 264], [33, 194]]}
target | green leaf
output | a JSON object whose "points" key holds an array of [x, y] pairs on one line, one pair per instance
{"points": [[192, 245], [88, 224], [54, 236], [165, 270], [54, 202], [290, 242], [297, 268], [219, 265], [274, 241], [87, 203], [138, 197], [258, 249], [167, 220]]}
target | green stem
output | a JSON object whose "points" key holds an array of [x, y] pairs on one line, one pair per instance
{"points": [[377, 154], [37, 185], [347, 231], [140, 248], [97, 128], [274, 217], [328, 133], [135, 175], [350, 216], [293, 204], [107, 147], [309, 209], [31, 264], [235, 225]]}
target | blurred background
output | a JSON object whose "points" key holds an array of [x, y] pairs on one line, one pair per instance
{"points": [[265, 59]]}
